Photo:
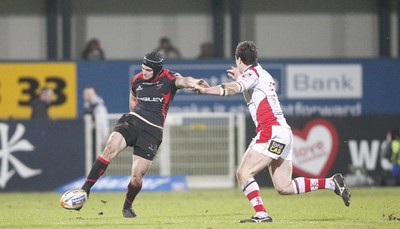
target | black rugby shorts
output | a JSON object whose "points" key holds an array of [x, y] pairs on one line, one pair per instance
{"points": [[144, 138]]}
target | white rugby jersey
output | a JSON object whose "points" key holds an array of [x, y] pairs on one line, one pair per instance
{"points": [[260, 95]]}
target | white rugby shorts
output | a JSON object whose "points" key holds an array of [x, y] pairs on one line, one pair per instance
{"points": [[276, 142]]}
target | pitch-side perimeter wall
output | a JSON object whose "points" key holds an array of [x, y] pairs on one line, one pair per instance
{"points": [[44, 155]]}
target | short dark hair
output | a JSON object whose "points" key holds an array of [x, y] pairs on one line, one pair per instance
{"points": [[247, 51]]}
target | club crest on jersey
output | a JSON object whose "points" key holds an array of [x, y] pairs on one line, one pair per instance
{"points": [[276, 147], [159, 86]]}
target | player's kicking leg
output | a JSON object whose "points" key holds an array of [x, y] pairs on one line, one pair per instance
{"points": [[115, 144]]}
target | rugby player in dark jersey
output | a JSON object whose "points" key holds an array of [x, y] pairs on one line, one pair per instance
{"points": [[152, 90]]}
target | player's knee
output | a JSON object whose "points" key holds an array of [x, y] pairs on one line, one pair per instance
{"points": [[239, 175], [107, 156], [242, 175], [283, 190], [109, 152], [137, 180]]}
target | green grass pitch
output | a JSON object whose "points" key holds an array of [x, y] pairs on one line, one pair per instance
{"points": [[370, 208]]}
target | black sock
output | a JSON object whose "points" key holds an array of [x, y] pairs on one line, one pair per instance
{"points": [[98, 169], [131, 194]]}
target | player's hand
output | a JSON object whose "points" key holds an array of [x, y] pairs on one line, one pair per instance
{"points": [[233, 73], [203, 83], [195, 87]]}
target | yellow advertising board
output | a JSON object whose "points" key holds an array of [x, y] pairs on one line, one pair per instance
{"points": [[20, 83]]}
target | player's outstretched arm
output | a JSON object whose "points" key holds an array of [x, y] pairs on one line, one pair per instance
{"points": [[226, 89], [185, 82]]}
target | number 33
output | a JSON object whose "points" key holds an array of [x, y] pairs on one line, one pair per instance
{"points": [[32, 87]]}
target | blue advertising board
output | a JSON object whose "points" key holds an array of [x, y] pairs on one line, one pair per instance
{"points": [[306, 88]]}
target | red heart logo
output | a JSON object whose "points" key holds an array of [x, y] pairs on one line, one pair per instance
{"points": [[315, 148]]}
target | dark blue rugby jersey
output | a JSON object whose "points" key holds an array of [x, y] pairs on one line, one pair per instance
{"points": [[154, 96]]}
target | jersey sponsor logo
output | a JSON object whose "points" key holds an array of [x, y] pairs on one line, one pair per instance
{"points": [[276, 147], [149, 99]]}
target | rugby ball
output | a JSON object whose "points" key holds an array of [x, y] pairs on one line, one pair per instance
{"points": [[73, 199]]}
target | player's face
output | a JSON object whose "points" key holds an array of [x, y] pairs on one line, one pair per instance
{"points": [[238, 61], [147, 72], [88, 94], [48, 96]]}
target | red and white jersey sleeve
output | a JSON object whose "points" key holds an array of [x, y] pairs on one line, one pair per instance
{"points": [[261, 98]]}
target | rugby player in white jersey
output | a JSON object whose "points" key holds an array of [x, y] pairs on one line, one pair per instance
{"points": [[272, 146]]}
